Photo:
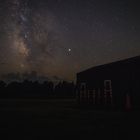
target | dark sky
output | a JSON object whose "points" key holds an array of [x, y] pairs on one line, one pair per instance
{"points": [[63, 37]]}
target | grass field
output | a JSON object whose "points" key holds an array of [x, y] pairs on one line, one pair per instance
{"points": [[63, 119]]}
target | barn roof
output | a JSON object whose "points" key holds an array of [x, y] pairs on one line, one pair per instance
{"points": [[124, 61]]}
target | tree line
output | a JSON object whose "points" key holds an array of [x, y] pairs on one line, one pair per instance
{"points": [[35, 89]]}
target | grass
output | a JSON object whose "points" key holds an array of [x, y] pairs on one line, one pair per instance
{"points": [[63, 119]]}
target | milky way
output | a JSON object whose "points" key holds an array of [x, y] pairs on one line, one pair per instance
{"points": [[30, 41], [61, 38]]}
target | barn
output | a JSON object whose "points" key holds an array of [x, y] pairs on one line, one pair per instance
{"points": [[115, 85]]}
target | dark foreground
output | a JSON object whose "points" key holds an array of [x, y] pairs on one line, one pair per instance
{"points": [[63, 119]]}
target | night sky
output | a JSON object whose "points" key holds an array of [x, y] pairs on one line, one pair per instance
{"points": [[63, 37]]}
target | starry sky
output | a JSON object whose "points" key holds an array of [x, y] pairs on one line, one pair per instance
{"points": [[63, 37]]}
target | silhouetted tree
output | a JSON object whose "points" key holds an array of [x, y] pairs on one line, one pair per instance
{"points": [[2, 88], [65, 89], [35, 89]]}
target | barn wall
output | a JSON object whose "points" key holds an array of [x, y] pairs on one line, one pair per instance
{"points": [[125, 78]]}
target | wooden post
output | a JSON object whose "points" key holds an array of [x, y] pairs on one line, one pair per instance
{"points": [[99, 96], [128, 103], [94, 95], [108, 92], [82, 92], [89, 96]]}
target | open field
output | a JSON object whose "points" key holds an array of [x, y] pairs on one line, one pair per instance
{"points": [[63, 119]]}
